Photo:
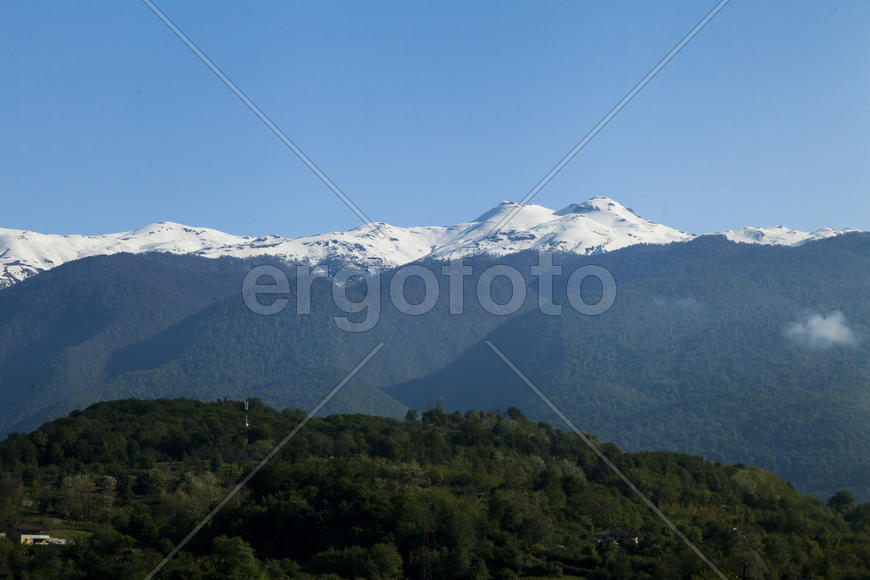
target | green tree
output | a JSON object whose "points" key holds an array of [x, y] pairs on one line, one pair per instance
{"points": [[842, 501]]}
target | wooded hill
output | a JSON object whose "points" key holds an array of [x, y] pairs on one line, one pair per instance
{"points": [[440, 495]]}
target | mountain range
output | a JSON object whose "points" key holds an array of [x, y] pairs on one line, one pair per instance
{"points": [[592, 227], [739, 352]]}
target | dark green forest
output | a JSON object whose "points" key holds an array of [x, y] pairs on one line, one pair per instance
{"points": [[436, 495], [694, 357]]}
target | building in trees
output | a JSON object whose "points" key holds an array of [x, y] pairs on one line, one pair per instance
{"points": [[32, 535]]}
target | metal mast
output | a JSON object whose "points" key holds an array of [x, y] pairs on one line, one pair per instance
{"points": [[246, 423]]}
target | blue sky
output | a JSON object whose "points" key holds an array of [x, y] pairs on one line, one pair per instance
{"points": [[431, 113]]}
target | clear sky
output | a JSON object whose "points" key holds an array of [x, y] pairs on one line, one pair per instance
{"points": [[431, 113]]}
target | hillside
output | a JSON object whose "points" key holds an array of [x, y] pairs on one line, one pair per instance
{"points": [[711, 351], [58, 329], [217, 349], [68, 336], [477, 495]]}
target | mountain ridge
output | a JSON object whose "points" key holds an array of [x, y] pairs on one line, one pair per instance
{"points": [[594, 226]]}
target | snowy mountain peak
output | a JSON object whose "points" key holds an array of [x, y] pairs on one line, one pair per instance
{"points": [[594, 204], [596, 225], [497, 212]]}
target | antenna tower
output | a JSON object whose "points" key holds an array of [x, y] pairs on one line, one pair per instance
{"points": [[246, 423]]}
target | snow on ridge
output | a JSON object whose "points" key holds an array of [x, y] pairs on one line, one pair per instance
{"points": [[780, 235], [594, 226], [24, 253]]}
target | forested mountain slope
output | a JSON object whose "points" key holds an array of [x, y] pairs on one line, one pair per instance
{"points": [[737, 353]]}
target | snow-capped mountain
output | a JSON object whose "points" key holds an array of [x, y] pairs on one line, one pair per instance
{"points": [[780, 235], [24, 253], [591, 227]]}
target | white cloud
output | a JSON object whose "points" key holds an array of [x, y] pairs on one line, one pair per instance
{"points": [[822, 331]]}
